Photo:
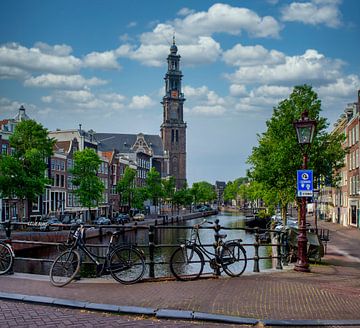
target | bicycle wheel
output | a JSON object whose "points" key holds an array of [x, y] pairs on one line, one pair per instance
{"points": [[65, 267], [126, 265], [233, 259], [6, 258], [187, 263]]}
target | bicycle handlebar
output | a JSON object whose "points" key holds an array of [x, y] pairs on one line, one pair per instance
{"points": [[196, 226]]}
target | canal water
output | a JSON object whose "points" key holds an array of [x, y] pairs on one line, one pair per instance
{"points": [[165, 236]]}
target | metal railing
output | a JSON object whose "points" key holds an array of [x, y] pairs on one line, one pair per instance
{"points": [[152, 245]]}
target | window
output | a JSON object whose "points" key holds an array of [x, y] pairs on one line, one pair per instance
{"points": [[172, 135], [69, 163], [4, 149], [177, 135], [62, 181]]}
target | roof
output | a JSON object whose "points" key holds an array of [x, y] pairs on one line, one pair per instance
{"points": [[123, 142], [62, 145]]}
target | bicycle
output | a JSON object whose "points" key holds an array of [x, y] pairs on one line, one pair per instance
{"points": [[187, 262], [7, 255], [125, 262]]}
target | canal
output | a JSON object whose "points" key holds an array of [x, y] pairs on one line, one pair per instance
{"points": [[162, 254]]}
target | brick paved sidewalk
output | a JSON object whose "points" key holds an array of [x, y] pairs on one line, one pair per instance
{"points": [[328, 292]]}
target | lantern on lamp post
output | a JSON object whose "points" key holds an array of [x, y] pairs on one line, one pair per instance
{"points": [[305, 130]]}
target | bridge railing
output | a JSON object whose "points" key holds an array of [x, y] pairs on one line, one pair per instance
{"points": [[146, 237]]}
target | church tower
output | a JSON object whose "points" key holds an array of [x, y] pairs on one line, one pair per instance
{"points": [[173, 128]]}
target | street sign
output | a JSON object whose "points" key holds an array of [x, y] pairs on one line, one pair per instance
{"points": [[305, 186]]}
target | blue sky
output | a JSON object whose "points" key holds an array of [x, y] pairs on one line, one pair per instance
{"points": [[102, 64]]}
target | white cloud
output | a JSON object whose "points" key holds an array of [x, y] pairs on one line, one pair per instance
{"points": [[273, 91], [7, 72], [227, 19], [9, 108], [131, 24], [104, 60], [185, 12], [194, 34], [203, 51], [311, 67], [62, 81], [315, 12], [237, 90], [34, 59], [241, 55], [148, 55], [61, 50], [205, 101], [208, 110], [84, 100], [141, 102], [343, 87]]}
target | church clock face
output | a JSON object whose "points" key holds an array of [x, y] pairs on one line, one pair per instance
{"points": [[174, 111]]}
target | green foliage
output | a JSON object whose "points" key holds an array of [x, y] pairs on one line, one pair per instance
{"points": [[90, 187], [277, 157], [236, 188], [183, 197], [154, 186], [22, 174], [126, 187], [168, 186], [203, 192]]}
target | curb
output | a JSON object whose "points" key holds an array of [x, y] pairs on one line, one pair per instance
{"points": [[169, 313]]}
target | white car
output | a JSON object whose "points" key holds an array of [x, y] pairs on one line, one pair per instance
{"points": [[139, 217]]}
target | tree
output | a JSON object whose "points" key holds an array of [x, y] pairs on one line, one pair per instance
{"points": [[235, 188], [182, 197], [168, 186], [154, 186], [277, 157], [126, 187], [203, 192], [22, 174], [90, 187]]}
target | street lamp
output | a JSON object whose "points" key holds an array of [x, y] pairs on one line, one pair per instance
{"points": [[305, 130]]}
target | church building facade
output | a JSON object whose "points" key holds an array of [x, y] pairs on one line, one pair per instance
{"points": [[173, 128]]}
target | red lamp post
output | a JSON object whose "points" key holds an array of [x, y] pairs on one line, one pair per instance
{"points": [[305, 130]]}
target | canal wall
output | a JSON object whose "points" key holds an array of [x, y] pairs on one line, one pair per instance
{"points": [[33, 239]]}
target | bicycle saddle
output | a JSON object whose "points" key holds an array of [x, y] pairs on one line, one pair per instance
{"points": [[222, 236]]}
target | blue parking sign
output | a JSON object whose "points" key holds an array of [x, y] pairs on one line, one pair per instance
{"points": [[305, 186]]}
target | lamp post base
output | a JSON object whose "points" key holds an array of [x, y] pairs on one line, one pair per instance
{"points": [[302, 267]]}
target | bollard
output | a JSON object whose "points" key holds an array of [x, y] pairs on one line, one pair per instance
{"points": [[7, 227], [285, 249], [101, 234], [256, 254], [217, 228], [164, 220], [278, 248], [151, 251]]}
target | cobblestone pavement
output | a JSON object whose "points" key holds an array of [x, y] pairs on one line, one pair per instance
{"points": [[22, 315], [331, 291]]}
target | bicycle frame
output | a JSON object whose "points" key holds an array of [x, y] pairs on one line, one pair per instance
{"points": [[79, 243], [195, 242]]}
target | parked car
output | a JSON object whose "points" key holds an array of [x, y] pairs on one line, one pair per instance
{"points": [[139, 217], [49, 224], [102, 220], [122, 219]]}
